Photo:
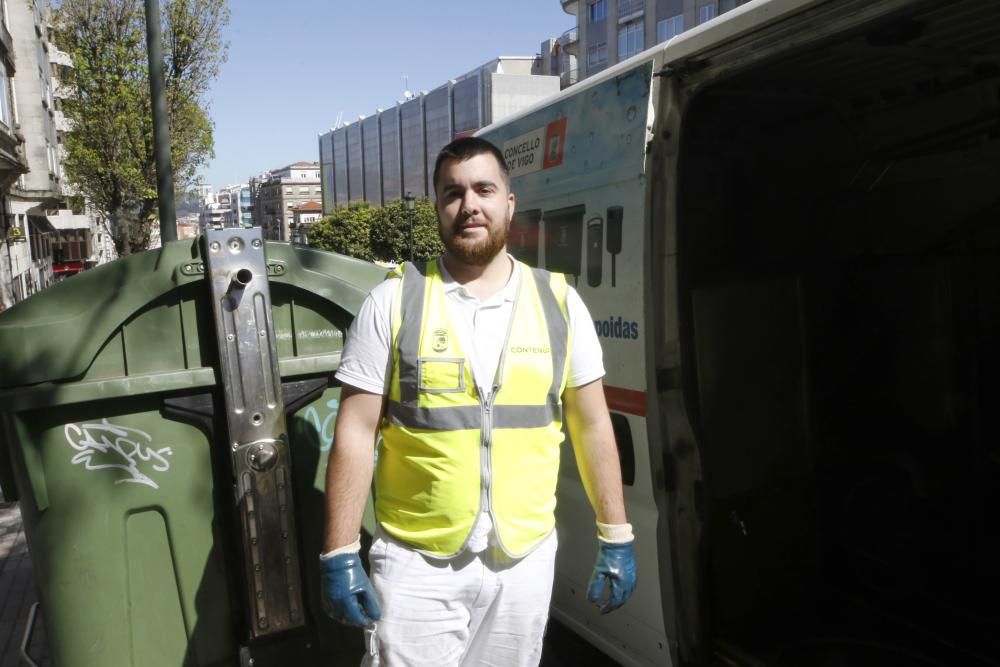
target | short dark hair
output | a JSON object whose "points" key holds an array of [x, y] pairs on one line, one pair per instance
{"points": [[464, 148]]}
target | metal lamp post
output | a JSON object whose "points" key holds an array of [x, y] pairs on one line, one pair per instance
{"points": [[410, 201]]}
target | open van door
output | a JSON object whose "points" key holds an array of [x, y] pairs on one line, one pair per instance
{"points": [[784, 223]]}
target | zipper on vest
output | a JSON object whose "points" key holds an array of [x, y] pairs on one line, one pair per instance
{"points": [[486, 476], [486, 432]]}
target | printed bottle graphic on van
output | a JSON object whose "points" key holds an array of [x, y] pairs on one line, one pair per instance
{"points": [[561, 231]]}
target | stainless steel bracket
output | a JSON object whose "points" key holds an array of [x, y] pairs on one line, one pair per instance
{"points": [[248, 365]]}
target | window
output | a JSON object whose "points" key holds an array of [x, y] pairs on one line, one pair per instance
{"points": [[597, 56], [630, 39], [291, 204], [4, 95], [598, 11], [304, 190], [670, 27], [706, 13], [288, 191]]}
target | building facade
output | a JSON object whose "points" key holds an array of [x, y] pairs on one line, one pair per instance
{"points": [[558, 58], [45, 240], [303, 216], [279, 191], [382, 157], [610, 31], [13, 163]]}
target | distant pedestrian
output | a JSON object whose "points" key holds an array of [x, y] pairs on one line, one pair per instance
{"points": [[467, 366]]}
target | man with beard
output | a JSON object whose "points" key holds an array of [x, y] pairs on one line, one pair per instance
{"points": [[466, 366]]}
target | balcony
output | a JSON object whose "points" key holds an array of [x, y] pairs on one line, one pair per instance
{"points": [[567, 78], [12, 160], [62, 123], [569, 42], [569, 6], [630, 9]]}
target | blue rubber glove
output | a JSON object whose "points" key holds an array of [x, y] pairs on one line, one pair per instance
{"points": [[348, 596], [615, 565]]}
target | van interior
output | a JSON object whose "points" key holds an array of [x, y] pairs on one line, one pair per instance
{"points": [[839, 266]]}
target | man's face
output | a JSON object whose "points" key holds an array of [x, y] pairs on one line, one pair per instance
{"points": [[474, 208]]}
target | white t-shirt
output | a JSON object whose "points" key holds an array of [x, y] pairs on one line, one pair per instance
{"points": [[481, 327]]}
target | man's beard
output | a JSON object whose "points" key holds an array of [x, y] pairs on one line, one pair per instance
{"points": [[478, 252]]}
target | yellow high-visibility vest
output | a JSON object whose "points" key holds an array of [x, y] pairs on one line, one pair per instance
{"points": [[446, 451]]}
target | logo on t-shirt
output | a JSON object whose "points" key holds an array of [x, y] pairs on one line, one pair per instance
{"points": [[440, 340]]}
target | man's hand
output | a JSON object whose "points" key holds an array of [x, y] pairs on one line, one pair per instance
{"points": [[348, 596], [616, 567]]}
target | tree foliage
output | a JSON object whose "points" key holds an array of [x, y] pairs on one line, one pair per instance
{"points": [[379, 234], [347, 231], [109, 150]]}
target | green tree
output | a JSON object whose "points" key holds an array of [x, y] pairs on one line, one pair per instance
{"points": [[379, 234], [347, 231], [109, 150], [390, 234]]}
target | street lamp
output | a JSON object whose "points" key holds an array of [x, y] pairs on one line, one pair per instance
{"points": [[410, 201]]}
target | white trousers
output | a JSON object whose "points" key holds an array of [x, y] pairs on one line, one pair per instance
{"points": [[475, 609]]}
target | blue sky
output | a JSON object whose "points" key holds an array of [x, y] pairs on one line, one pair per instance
{"points": [[295, 65]]}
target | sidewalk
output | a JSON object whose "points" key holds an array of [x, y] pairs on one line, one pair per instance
{"points": [[17, 593]]}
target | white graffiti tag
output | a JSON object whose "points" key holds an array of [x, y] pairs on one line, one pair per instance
{"points": [[323, 425], [106, 445]]}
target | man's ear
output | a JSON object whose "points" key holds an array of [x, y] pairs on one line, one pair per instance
{"points": [[511, 205]]}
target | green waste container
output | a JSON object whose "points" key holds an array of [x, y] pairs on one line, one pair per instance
{"points": [[114, 408]]}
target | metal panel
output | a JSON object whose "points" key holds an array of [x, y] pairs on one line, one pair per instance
{"points": [[258, 439], [326, 171], [411, 125], [467, 116], [355, 163], [340, 166], [437, 121], [392, 178], [372, 153]]}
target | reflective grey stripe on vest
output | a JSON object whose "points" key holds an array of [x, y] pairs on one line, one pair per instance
{"points": [[407, 413], [470, 416], [558, 331], [408, 342]]}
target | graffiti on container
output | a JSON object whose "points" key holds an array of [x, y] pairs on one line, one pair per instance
{"points": [[106, 446], [323, 422]]}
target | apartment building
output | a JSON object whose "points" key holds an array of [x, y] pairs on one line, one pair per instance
{"points": [[238, 204], [12, 164], [276, 193], [610, 31], [45, 240]]}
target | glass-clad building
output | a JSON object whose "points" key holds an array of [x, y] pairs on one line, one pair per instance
{"points": [[382, 157]]}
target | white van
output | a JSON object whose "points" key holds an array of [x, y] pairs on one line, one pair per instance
{"points": [[785, 225]]}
